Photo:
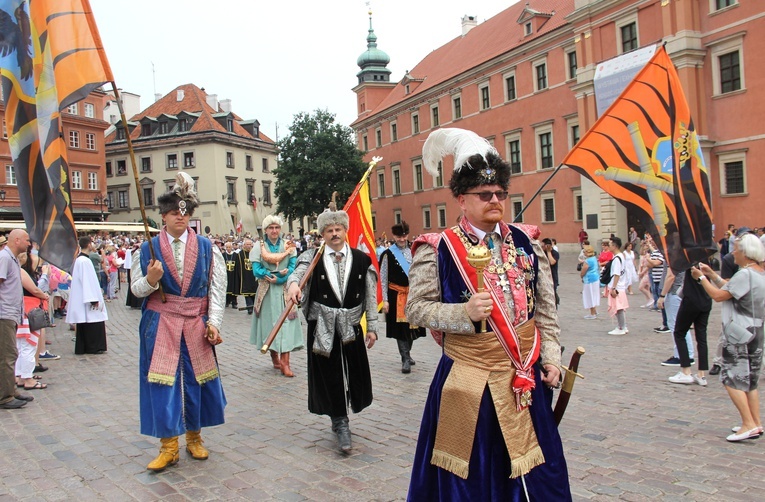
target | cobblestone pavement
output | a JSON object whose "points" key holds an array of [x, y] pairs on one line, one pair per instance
{"points": [[628, 433]]}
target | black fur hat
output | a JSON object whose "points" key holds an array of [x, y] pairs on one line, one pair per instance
{"points": [[477, 171], [182, 197], [400, 229]]}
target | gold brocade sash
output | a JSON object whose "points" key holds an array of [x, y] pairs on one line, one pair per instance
{"points": [[480, 360], [403, 294]]}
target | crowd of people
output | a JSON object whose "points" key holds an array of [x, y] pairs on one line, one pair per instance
{"points": [[501, 350]]}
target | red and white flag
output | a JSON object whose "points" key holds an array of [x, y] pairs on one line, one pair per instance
{"points": [[239, 226]]}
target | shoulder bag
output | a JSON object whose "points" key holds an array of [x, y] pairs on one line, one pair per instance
{"points": [[740, 329], [38, 318]]}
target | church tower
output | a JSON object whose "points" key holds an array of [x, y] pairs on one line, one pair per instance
{"points": [[374, 77]]}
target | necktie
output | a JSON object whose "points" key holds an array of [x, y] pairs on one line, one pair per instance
{"points": [[177, 255], [340, 268]]}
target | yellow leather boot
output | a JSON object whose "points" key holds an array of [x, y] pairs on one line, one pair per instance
{"points": [[194, 445], [168, 455]]}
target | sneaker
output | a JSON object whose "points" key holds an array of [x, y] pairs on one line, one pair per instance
{"points": [[672, 361], [48, 356], [681, 378], [590, 316], [617, 332], [661, 329], [654, 309], [700, 380]]}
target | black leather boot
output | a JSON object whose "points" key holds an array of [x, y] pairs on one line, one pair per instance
{"points": [[341, 427], [403, 349]]}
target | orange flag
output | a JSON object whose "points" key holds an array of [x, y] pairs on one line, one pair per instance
{"points": [[360, 233], [644, 151], [51, 58]]}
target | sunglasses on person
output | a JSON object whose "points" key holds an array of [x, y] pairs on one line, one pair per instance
{"points": [[487, 196]]}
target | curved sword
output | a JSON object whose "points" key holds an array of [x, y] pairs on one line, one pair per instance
{"points": [[568, 384]]}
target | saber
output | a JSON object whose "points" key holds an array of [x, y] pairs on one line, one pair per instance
{"points": [[568, 384]]}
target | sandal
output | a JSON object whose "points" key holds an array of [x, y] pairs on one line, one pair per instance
{"points": [[39, 368], [37, 385]]}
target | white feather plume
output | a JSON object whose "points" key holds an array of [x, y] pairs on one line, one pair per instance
{"points": [[185, 187], [461, 143]]}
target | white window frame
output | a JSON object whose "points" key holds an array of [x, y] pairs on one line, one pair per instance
{"points": [[416, 126], [542, 199], [167, 161], [10, 175], [566, 51], [427, 221], [713, 6], [538, 131], [381, 186], [577, 193], [509, 138], [441, 215], [193, 160], [721, 48], [393, 131], [513, 200], [72, 109], [90, 110], [230, 162], [481, 88], [726, 158], [419, 184], [534, 65], [76, 180], [397, 217], [92, 181], [378, 137], [74, 139], [629, 19], [435, 116], [90, 141], [505, 87], [395, 174], [570, 124], [454, 98]]}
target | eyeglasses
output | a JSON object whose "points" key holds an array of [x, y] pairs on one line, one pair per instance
{"points": [[487, 196]]}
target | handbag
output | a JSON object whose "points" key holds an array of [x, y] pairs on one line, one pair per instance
{"points": [[38, 318], [740, 330]]}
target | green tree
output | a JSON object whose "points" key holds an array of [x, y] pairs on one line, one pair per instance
{"points": [[318, 157]]}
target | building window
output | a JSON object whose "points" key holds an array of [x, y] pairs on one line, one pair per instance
{"points": [[122, 199], [74, 139], [182, 125], [417, 177], [172, 161], [733, 173], [434, 116], [396, 181], [92, 181], [77, 180], [188, 159], [578, 208], [730, 72], [571, 64], [90, 110], [5, 128], [393, 132], [415, 123], [90, 141], [574, 136], [145, 164], [516, 206], [72, 109], [230, 125], [397, 217], [485, 99], [266, 193], [510, 93], [514, 154], [110, 200], [540, 82], [148, 196], [439, 181], [381, 184], [265, 165], [441, 216], [527, 29], [374, 221], [121, 168], [721, 4], [10, 175], [365, 143], [548, 208], [629, 37], [229, 159], [250, 191], [230, 191], [145, 129], [120, 133], [545, 150], [108, 166], [378, 137], [164, 127], [426, 217], [457, 107]]}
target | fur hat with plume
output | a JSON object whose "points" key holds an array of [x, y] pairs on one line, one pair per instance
{"points": [[183, 196]]}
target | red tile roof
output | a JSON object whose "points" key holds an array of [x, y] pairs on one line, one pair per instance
{"points": [[488, 40], [194, 101]]}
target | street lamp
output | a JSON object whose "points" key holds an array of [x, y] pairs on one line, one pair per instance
{"points": [[100, 200], [2, 195]]}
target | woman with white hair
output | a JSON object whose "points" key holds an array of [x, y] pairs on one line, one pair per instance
{"points": [[273, 259], [743, 298]]}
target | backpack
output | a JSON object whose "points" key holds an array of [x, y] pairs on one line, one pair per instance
{"points": [[605, 274]]}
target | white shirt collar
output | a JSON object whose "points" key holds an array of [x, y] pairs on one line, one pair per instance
{"points": [[345, 250], [183, 238], [480, 233]]}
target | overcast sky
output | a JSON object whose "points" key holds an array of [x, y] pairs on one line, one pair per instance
{"points": [[273, 58]]}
